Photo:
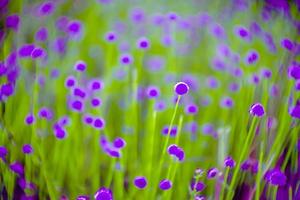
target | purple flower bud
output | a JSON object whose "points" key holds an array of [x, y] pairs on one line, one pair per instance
{"points": [[99, 123], [287, 44], [103, 194], [45, 113], [46, 8], [266, 73], [126, 59], [227, 102], [87, 119], [257, 110], [79, 92], [198, 187], [155, 63], [96, 102], [137, 15], [140, 182], [211, 173], [181, 88], [212, 82], [77, 105], [26, 50], [143, 43], [29, 119], [252, 57], [27, 149], [229, 162], [70, 82], [17, 168], [3, 152], [42, 34], [74, 28], [38, 53], [172, 149], [80, 66], [191, 109], [165, 184], [111, 36], [119, 143], [245, 165], [13, 22], [153, 92]]}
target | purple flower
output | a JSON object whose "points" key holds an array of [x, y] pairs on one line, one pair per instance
{"points": [[212, 172], [229, 162], [111, 36], [287, 44], [46, 8], [99, 123], [45, 113], [27, 149], [95, 85], [252, 57], [59, 132], [119, 143], [87, 119], [83, 197], [25, 50], [140, 182], [74, 28], [153, 92], [275, 177], [176, 151], [3, 152], [42, 34], [257, 110], [96, 102], [103, 194], [143, 43], [13, 22], [181, 88], [126, 59], [38, 52], [165, 184], [191, 109], [77, 105], [80, 66], [198, 187], [70, 81], [17, 168]]}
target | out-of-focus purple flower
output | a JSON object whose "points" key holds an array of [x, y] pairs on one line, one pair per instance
{"points": [[257, 110], [212, 172], [198, 187], [165, 184], [103, 194], [13, 22], [17, 168], [3, 152], [229, 162], [27, 149], [140, 182]]}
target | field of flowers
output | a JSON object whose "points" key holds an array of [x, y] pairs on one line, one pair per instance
{"points": [[149, 100]]}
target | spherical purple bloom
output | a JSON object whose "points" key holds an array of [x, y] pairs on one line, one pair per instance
{"points": [[95, 84], [77, 105], [227, 102], [255, 79], [62, 23], [155, 63], [115, 153], [111, 36], [160, 105], [257, 110], [87, 119], [46, 113], [42, 34], [38, 52], [218, 64], [140, 182], [165, 184], [29, 119], [229, 162], [181, 88], [59, 132], [25, 50], [80, 66], [119, 143], [172, 16], [79, 92], [243, 33], [137, 15], [46, 8], [198, 187], [7, 89], [180, 154], [60, 45], [99, 123], [297, 85], [126, 59], [294, 111], [17, 168], [266, 73], [287, 44], [74, 28], [245, 165], [13, 22], [252, 57], [191, 109], [96, 102], [173, 131], [103, 194], [153, 92], [212, 82], [234, 87], [27, 149], [172, 149], [143, 43], [276, 177], [3, 152], [70, 81], [211, 173]]}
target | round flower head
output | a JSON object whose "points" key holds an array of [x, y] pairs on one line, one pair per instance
{"points": [[62, 23], [13, 22], [191, 109], [59, 132], [243, 33], [277, 178], [140, 182], [229, 162], [172, 16], [252, 57], [113, 153], [3, 152], [74, 28], [199, 186], [255, 79], [27, 149], [266, 73], [212, 82], [38, 52], [26, 50], [234, 87], [29, 119], [160, 105], [87, 119], [165, 184], [297, 85], [172, 149], [226, 102], [46, 8], [70, 82], [77, 105], [46, 113], [42, 34], [181, 88], [103, 194], [119, 143], [79, 92], [173, 131], [80, 66], [137, 15], [153, 92], [96, 102], [60, 45], [7, 89], [143, 43], [257, 110], [110, 36], [99, 123], [95, 85], [287, 44], [211, 173], [126, 59], [17, 168]]}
